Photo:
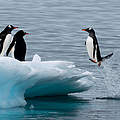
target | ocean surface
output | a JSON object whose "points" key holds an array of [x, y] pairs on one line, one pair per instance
{"points": [[55, 28]]}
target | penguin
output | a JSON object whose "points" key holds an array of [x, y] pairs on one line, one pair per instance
{"points": [[93, 47], [19, 46], [6, 38]]}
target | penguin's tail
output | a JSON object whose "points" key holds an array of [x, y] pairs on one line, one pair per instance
{"points": [[102, 59], [107, 57]]}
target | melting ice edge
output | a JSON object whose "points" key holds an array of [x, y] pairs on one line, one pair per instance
{"points": [[19, 80]]}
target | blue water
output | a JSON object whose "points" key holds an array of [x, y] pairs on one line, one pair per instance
{"points": [[55, 28], [68, 108]]}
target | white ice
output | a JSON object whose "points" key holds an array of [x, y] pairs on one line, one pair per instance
{"points": [[19, 80]]}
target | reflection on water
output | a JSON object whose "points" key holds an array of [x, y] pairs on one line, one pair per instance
{"points": [[58, 103], [47, 107], [64, 107]]}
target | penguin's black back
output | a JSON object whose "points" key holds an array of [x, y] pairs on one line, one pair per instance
{"points": [[3, 35], [20, 46], [2, 39], [20, 50], [95, 42]]}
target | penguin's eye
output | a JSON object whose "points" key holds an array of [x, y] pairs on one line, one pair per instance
{"points": [[9, 26], [90, 28]]}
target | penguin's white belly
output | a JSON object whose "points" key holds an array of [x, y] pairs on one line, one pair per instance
{"points": [[6, 44], [12, 51], [90, 48]]}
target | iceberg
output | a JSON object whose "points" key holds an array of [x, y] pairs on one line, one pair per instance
{"points": [[20, 80]]}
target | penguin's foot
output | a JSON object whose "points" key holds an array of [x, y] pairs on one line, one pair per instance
{"points": [[99, 63], [94, 61]]}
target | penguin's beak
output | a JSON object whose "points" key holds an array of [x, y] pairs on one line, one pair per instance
{"points": [[27, 33], [83, 29], [15, 27]]}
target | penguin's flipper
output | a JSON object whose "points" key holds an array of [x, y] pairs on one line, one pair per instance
{"points": [[93, 61], [10, 47], [94, 51], [107, 57]]}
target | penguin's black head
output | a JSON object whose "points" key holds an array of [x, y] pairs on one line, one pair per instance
{"points": [[89, 30], [10, 28], [21, 33]]}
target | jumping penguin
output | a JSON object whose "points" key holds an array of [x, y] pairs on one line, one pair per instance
{"points": [[93, 47], [19, 46], [5, 39]]}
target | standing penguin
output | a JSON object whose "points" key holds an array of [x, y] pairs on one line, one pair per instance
{"points": [[6, 39], [19, 46], [93, 47]]}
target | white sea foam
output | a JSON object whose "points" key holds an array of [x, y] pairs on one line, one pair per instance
{"points": [[38, 78], [111, 75]]}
